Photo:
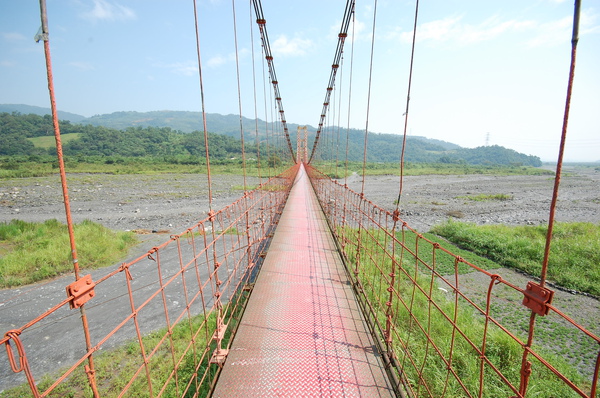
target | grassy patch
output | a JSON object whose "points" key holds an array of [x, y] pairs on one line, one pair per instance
{"points": [[37, 166], [574, 256], [116, 367], [48, 141], [421, 318], [330, 169], [38, 251], [444, 262], [486, 197]]}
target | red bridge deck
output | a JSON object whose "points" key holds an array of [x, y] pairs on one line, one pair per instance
{"points": [[302, 334]]}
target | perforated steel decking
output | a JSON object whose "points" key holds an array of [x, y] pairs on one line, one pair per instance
{"points": [[302, 334]]}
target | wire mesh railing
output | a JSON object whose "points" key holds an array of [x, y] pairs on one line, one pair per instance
{"points": [[159, 325], [447, 327]]}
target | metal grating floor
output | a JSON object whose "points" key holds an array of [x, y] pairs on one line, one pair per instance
{"points": [[302, 334]]}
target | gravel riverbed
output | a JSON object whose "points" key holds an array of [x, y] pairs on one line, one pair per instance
{"points": [[168, 204]]}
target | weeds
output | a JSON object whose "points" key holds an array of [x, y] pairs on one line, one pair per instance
{"points": [[486, 197], [575, 250], [38, 251], [421, 320]]}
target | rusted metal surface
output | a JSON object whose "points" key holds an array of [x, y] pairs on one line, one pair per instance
{"points": [[537, 298], [81, 291], [302, 334], [171, 307], [414, 296]]}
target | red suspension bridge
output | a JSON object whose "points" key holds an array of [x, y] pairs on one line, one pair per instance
{"points": [[302, 287]]}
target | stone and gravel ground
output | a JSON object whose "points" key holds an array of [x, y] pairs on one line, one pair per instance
{"points": [[168, 204]]}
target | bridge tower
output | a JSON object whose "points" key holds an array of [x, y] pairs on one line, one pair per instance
{"points": [[301, 146]]}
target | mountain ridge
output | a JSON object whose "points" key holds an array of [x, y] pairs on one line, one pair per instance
{"points": [[381, 147]]}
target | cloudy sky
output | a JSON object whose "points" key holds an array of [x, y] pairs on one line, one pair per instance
{"points": [[490, 72]]}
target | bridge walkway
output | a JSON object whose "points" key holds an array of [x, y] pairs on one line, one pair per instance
{"points": [[302, 334]]}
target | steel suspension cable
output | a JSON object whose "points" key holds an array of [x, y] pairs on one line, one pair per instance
{"points": [[348, 13], [410, 74], [45, 37], [362, 189], [525, 364], [206, 151], [239, 90], [262, 25], [349, 100], [339, 118], [257, 139], [267, 108]]}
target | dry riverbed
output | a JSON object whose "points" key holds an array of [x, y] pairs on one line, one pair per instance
{"points": [[168, 204]]}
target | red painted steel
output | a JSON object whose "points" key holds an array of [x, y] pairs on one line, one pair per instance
{"points": [[157, 312], [302, 333], [434, 323]]}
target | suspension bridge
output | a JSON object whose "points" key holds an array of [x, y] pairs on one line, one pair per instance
{"points": [[301, 287]]}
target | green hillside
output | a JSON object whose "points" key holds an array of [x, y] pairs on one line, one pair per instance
{"points": [[49, 141], [135, 134]]}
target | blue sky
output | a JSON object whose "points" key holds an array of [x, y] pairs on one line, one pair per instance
{"points": [[485, 71]]}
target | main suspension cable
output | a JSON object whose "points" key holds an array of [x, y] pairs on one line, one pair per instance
{"points": [[45, 37], [262, 25], [410, 74], [256, 137], [348, 12], [525, 364], [208, 174], [239, 90], [364, 166]]}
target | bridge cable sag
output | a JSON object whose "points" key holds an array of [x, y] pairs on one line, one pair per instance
{"points": [[262, 25], [362, 189], [208, 173], [44, 36], [256, 137], [348, 13], [349, 99], [410, 75], [525, 364]]}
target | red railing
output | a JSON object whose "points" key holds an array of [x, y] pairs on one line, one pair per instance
{"points": [[447, 327], [159, 325]]}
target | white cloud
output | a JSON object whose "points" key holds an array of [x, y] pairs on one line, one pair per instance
{"points": [[219, 59], [183, 68], [560, 31], [216, 61], [105, 10], [7, 64], [294, 47], [13, 37], [82, 65], [453, 29]]}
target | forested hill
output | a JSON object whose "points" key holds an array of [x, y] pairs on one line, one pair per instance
{"points": [[19, 135]]}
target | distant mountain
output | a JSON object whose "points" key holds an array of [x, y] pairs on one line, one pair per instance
{"points": [[381, 147], [38, 110], [222, 124]]}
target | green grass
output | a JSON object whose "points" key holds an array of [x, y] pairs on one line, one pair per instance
{"points": [[35, 166], [38, 166], [486, 197], [574, 255], [49, 141], [414, 169], [501, 350], [116, 367], [444, 262], [37, 251]]}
